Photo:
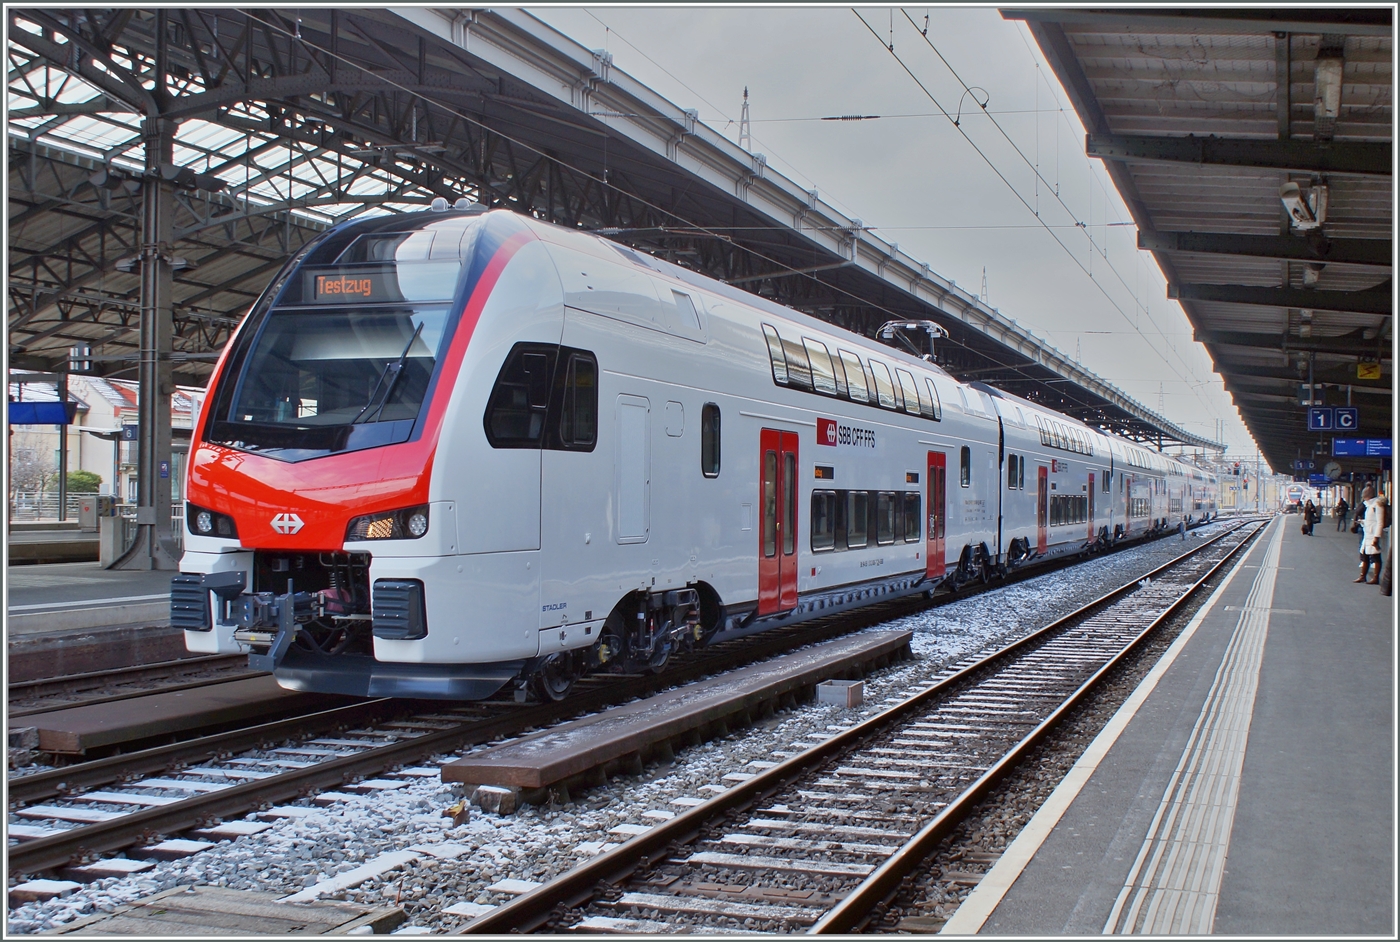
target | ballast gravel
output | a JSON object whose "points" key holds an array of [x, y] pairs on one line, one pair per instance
{"points": [[540, 842]]}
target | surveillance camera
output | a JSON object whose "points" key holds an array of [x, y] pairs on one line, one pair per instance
{"points": [[1299, 212]]}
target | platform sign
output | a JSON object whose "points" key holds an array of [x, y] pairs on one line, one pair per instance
{"points": [[1320, 419], [130, 432], [1319, 480], [1345, 418], [1361, 447], [1303, 464]]}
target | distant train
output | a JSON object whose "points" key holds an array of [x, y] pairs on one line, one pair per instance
{"points": [[454, 450]]}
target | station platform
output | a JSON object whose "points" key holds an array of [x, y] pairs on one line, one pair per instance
{"points": [[1245, 788], [68, 618]]}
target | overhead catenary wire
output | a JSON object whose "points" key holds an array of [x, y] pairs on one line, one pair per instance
{"points": [[1056, 190], [1021, 198]]}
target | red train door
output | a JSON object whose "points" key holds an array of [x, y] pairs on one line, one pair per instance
{"points": [[937, 514], [1042, 506], [777, 528], [1091, 505]]}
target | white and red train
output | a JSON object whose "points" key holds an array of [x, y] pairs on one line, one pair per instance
{"points": [[451, 451]]}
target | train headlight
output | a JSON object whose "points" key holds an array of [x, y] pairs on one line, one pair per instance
{"points": [[204, 522], [407, 524]]}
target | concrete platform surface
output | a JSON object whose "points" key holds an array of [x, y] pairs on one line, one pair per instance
{"points": [[70, 618], [1250, 786], [573, 748], [77, 729]]}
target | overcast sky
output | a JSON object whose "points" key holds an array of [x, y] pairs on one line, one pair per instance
{"points": [[913, 177]]}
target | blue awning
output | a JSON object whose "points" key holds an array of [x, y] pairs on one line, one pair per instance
{"points": [[42, 413]]}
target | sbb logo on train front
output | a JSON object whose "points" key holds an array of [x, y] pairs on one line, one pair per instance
{"points": [[286, 523]]}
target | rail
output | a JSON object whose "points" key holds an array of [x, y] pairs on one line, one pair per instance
{"points": [[823, 890]]}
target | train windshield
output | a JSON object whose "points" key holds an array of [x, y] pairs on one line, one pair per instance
{"points": [[345, 358]]}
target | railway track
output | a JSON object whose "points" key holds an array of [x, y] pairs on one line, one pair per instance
{"points": [[103, 806], [30, 697], [823, 840]]}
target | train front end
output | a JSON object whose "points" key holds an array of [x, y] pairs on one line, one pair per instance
{"points": [[313, 525]]}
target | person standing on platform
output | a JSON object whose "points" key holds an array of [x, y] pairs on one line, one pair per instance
{"points": [[1372, 525], [1343, 511], [1309, 517]]}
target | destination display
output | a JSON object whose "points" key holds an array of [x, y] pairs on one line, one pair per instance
{"points": [[1361, 448], [352, 284]]}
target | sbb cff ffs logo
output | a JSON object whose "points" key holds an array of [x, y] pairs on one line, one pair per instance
{"points": [[829, 432]]}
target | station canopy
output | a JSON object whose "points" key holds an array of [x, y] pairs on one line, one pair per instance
{"points": [[287, 121], [1253, 148]]}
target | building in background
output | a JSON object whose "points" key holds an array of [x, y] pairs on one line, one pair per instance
{"points": [[95, 442]]}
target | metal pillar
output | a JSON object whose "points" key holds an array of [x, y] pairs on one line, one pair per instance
{"points": [[153, 548], [61, 387]]}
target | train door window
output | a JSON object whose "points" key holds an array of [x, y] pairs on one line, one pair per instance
{"points": [[965, 466], [823, 376], [885, 510], [840, 514], [856, 387], [857, 519], [515, 413], [934, 406], [823, 521], [775, 355], [913, 519], [1107, 485], [1011, 462], [911, 392], [578, 411], [884, 387], [709, 440], [1021, 474], [770, 504], [789, 503]]}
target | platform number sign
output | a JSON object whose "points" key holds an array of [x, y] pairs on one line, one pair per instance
{"points": [[1345, 419], [1320, 419]]}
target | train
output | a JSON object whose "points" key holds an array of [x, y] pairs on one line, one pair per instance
{"points": [[462, 450]]}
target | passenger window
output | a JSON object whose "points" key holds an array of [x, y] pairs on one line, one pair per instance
{"points": [[823, 521], [911, 392], [515, 413], [965, 466], [823, 377], [709, 440], [856, 386], [857, 519], [884, 387], [935, 406], [1011, 463], [775, 355], [578, 413], [799, 370], [885, 509], [912, 518]]}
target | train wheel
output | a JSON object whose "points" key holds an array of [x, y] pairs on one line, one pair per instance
{"points": [[555, 676]]}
